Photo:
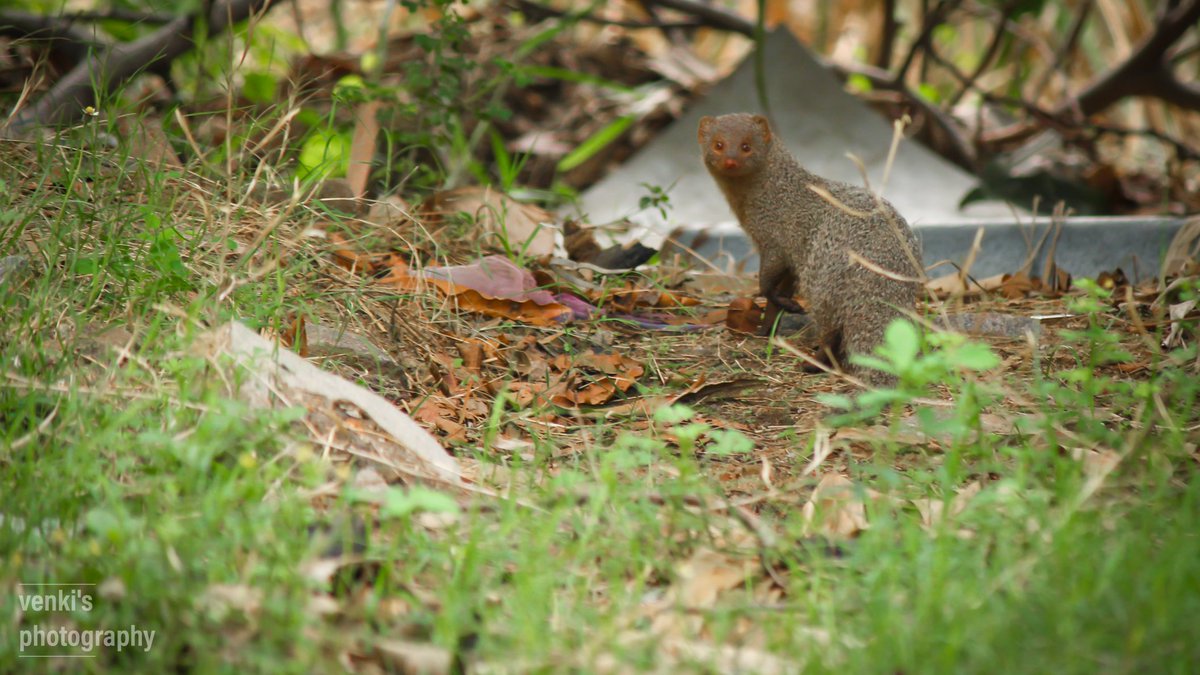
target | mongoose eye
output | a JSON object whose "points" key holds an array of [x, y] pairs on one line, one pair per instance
{"points": [[745, 147], [718, 145]]}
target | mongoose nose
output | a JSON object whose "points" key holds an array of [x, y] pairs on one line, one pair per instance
{"points": [[730, 164]]}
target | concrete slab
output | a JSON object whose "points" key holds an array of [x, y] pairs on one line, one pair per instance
{"points": [[1086, 245]]}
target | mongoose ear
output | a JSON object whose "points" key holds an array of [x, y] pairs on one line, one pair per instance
{"points": [[705, 123], [764, 125]]}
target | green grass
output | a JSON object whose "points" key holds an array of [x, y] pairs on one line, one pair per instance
{"points": [[125, 462]]}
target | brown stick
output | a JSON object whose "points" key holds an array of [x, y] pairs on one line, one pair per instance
{"points": [[932, 20], [993, 47], [709, 14], [1146, 72], [103, 72], [961, 150], [67, 44], [887, 35], [536, 11]]}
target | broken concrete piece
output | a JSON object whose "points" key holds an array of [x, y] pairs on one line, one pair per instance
{"points": [[278, 373]]}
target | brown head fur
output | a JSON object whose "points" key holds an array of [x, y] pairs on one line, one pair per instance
{"points": [[735, 145]]}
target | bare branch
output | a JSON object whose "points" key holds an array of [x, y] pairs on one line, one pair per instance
{"points": [[990, 53], [961, 150], [1146, 72], [68, 44], [887, 35], [104, 71], [932, 20], [711, 15], [536, 11]]}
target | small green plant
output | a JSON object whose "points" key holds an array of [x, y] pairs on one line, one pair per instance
{"points": [[1099, 345], [656, 198], [595, 143], [508, 166], [453, 109], [1080, 394], [917, 361]]}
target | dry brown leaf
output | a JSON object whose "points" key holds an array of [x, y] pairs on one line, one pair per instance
{"points": [[1062, 282], [589, 378], [743, 316], [530, 306], [525, 393], [1183, 253], [389, 210], [368, 481], [702, 578], [147, 141], [952, 285], [933, 510], [632, 296], [405, 656], [320, 604], [349, 259], [321, 570], [222, 598], [1097, 463], [703, 390], [439, 413], [540, 142], [1178, 312], [1019, 285], [669, 299], [839, 505], [112, 588], [623, 369], [471, 352]]}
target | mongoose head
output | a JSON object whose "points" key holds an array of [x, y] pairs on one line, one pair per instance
{"points": [[735, 145]]}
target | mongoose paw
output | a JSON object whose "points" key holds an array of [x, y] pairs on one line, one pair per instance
{"points": [[786, 304]]}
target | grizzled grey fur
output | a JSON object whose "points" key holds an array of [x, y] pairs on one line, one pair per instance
{"points": [[804, 240]]}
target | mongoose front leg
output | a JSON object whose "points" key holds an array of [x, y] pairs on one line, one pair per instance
{"points": [[777, 283]]}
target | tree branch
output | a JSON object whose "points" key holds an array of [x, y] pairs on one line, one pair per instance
{"points": [[104, 71], [536, 11], [1006, 13], [67, 44], [710, 15], [118, 14], [1048, 119], [960, 150], [1146, 72], [932, 20], [1064, 49], [887, 35]]}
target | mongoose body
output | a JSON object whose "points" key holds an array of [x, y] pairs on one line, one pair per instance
{"points": [[804, 240]]}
